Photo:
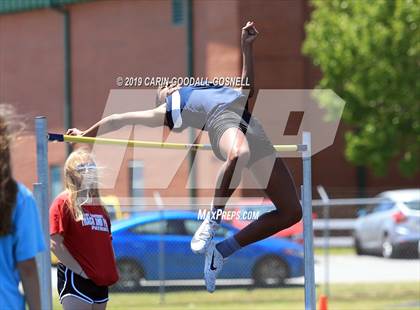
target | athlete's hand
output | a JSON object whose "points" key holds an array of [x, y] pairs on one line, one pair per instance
{"points": [[74, 132], [249, 33]]}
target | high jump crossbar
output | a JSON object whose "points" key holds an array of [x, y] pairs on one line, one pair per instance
{"points": [[43, 137], [152, 144]]}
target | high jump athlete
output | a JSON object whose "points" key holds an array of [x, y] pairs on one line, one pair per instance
{"points": [[80, 231], [238, 139]]}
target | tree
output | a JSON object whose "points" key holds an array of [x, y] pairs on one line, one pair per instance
{"points": [[369, 54]]}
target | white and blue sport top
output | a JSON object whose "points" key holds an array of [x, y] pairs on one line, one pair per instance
{"points": [[197, 106]]}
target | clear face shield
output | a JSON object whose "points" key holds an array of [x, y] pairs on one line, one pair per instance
{"points": [[89, 179], [89, 175]]}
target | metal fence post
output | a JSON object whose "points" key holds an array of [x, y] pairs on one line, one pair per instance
{"points": [[307, 224], [326, 214], [37, 191], [161, 262], [43, 205]]}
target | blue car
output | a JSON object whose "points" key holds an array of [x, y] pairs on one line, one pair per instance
{"points": [[139, 240]]}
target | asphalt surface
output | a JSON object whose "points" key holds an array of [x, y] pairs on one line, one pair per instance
{"points": [[353, 269]]}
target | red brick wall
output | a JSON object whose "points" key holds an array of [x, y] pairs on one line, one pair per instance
{"points": [[31, 71], [279, 64], [137, 38]]}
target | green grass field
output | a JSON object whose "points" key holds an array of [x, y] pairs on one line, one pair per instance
{"points": [[351, 297]]}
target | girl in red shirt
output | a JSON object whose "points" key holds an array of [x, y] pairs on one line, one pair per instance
{"points": [[80, 231]]}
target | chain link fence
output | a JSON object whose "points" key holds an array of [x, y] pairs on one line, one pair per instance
{"points": [[153, 246], [153, 250]]}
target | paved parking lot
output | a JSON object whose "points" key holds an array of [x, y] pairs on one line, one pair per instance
{"points": [[352, 268], [349, 269]]}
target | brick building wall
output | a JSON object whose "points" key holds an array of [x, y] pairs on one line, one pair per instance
{"points": [[138, 38]]}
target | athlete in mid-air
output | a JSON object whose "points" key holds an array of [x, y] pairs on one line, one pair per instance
{"points": [[238, 139]]}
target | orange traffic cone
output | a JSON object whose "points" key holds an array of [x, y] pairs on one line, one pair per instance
{"points": [[323, 302]]}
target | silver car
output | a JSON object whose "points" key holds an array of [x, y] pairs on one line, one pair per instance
{"points": [[392, 227]]}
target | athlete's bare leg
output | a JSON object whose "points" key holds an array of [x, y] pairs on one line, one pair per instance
{"points": [[234, 147], [282, 192], [72, 303]]}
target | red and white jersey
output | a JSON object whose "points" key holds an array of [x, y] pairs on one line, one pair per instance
{"points": [[89, 241]]}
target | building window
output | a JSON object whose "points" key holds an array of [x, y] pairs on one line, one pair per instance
{"points": [[178, 12], [136, 183], [56, 181]]}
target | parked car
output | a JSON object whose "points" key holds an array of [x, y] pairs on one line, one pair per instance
{"points": [[392, 227], [137, 243]]}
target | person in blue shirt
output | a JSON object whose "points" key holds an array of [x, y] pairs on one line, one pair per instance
{"points": [[21, 237], [238, 139]]}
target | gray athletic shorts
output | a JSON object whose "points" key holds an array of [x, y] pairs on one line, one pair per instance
{"points": [[259, 144]]}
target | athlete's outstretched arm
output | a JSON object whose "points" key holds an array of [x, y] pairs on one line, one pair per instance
{"points": [[248, 35], [150, 118]]}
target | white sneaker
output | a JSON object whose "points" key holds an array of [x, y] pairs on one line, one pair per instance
{"points": [[203, 236], [212, 267]]}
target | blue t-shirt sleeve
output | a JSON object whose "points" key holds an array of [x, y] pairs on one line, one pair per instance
{"points": [[28, 236]]}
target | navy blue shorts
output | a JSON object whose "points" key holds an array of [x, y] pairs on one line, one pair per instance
{"points": [[259, 144], [71, 284]]}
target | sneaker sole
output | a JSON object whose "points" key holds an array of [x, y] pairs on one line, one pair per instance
{"points": [[202, 251]]}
